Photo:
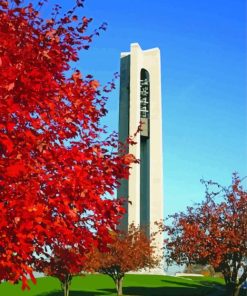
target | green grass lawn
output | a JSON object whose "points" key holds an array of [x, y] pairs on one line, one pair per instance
{"points": [[146, 285]]}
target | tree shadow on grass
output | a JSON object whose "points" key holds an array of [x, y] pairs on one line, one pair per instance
{"points": [[211, 283], [183, 284], [72, 293], [192, 290], [186, 290], [200, 288], [195, 284]]}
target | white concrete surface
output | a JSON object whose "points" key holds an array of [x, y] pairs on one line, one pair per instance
{"points": [[148, 208]]}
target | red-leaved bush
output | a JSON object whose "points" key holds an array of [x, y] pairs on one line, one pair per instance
{"points": [[214, 232]]}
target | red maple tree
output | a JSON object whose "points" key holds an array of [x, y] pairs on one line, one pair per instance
{"points": [[56, 164], [62, 263], [214, 232], [128, 251]]}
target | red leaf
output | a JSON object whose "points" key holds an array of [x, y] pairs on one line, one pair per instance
{"points": [[33, 279], [16, 169], [24, 284], [7, 143], [10, 126], [11, 86], [95, 84]]}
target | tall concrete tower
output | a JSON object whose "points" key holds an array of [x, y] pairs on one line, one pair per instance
{"points": [[140, 100]]}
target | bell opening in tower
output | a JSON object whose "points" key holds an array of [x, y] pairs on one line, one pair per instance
{"points": [[144, 151], [144, 102]]}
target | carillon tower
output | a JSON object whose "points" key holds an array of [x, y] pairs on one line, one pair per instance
{"points": [[140, 100]]}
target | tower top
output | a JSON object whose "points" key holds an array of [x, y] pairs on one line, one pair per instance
{"points": [[136, 47]]}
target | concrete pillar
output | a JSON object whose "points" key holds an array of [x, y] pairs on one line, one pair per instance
{"points": [[140, 100]]}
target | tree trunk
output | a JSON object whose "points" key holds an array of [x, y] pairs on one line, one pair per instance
{"points": [[66, 288], [65, 285], [119, 286], [232, 290], [236, 291]]}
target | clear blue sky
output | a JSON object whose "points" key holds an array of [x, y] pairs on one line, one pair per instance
{"points": [[203, 53]]}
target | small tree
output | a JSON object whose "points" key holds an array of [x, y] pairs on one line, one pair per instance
{"points": [[214, 232], [128, 251], [63, 263]]}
